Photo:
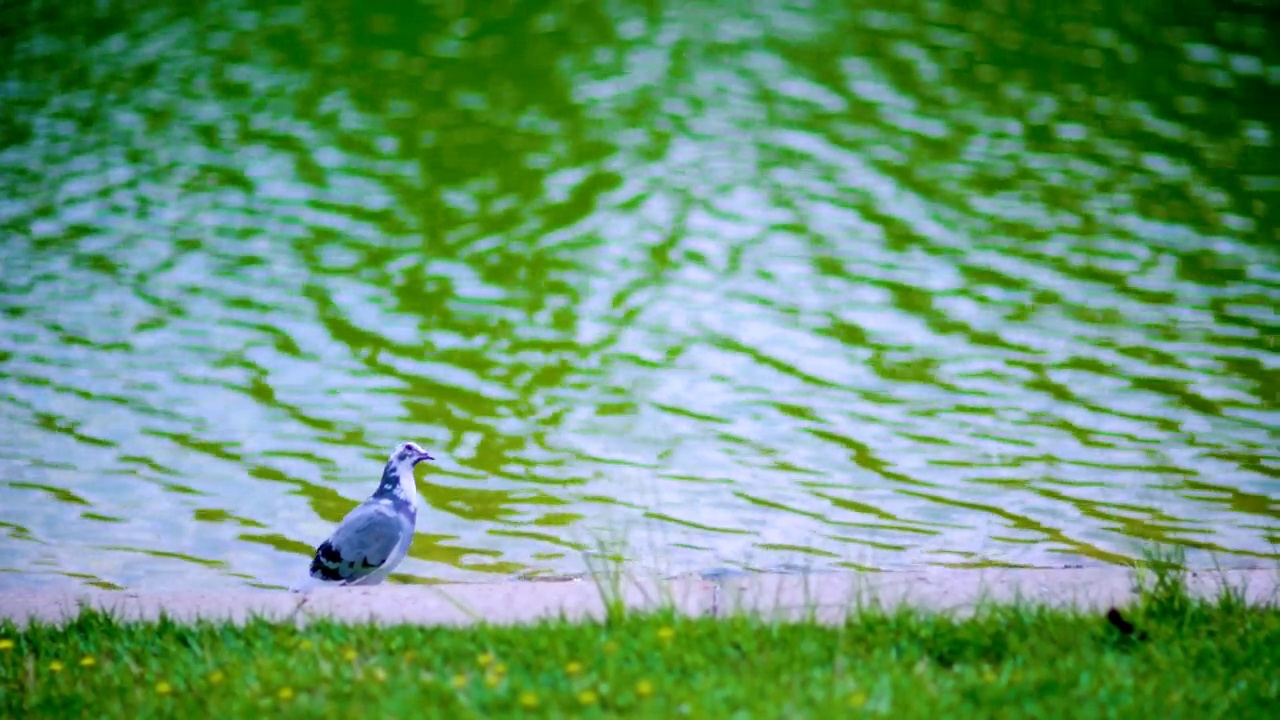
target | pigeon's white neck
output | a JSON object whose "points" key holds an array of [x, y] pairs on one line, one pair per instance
{"points": [[408, 485], [398, 482]]}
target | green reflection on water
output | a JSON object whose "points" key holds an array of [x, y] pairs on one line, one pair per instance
{"points": [[929, 279]]}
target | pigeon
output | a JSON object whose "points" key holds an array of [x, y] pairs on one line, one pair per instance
{"points": [[374, 537]]}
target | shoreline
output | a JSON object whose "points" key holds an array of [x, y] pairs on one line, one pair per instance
{"points": [[826, 597]]}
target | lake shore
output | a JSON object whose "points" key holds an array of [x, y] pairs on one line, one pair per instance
{"points": [[828, 597]]}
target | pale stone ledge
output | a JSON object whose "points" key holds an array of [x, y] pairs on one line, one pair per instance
{"points": [[828, 596]]}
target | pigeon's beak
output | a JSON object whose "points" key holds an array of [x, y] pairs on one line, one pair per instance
{"points": [[423, 456]]}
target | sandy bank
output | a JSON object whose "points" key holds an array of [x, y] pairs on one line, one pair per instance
{"points": [[774, 595]]}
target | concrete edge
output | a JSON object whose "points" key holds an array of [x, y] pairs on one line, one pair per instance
{"points": [[827, 597]]}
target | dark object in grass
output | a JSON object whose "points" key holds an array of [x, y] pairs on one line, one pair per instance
{"points": [[1116, 619], [1125, 627]]}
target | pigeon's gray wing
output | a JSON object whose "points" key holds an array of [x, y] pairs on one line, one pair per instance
{"points": [[362, 543]]}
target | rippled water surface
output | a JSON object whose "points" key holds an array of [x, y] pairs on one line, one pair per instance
{"points": [[920, 283]]}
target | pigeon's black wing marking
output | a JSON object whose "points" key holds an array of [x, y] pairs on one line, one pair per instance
{"points": [[363, 542]]}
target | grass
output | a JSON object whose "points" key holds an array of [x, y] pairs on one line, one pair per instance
{"points": [[1169, 655]]}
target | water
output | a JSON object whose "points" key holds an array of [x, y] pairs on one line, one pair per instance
{"points": [[736, 285]]}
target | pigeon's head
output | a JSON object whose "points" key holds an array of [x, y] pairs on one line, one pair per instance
{"points": [[407, 455]]}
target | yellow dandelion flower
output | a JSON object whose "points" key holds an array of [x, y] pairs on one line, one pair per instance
{"points": [[573, 668], [500, 669], [858, 699], [305, 645], [644, 688], [286, 693], [163, 688], [666, 632], [88, 661], [459, 681], [379, 674], [349, 654], [484, 659], [528, 700], [587, 697], [216, 677], [6, 643], [491, 680], [55, 666]]}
